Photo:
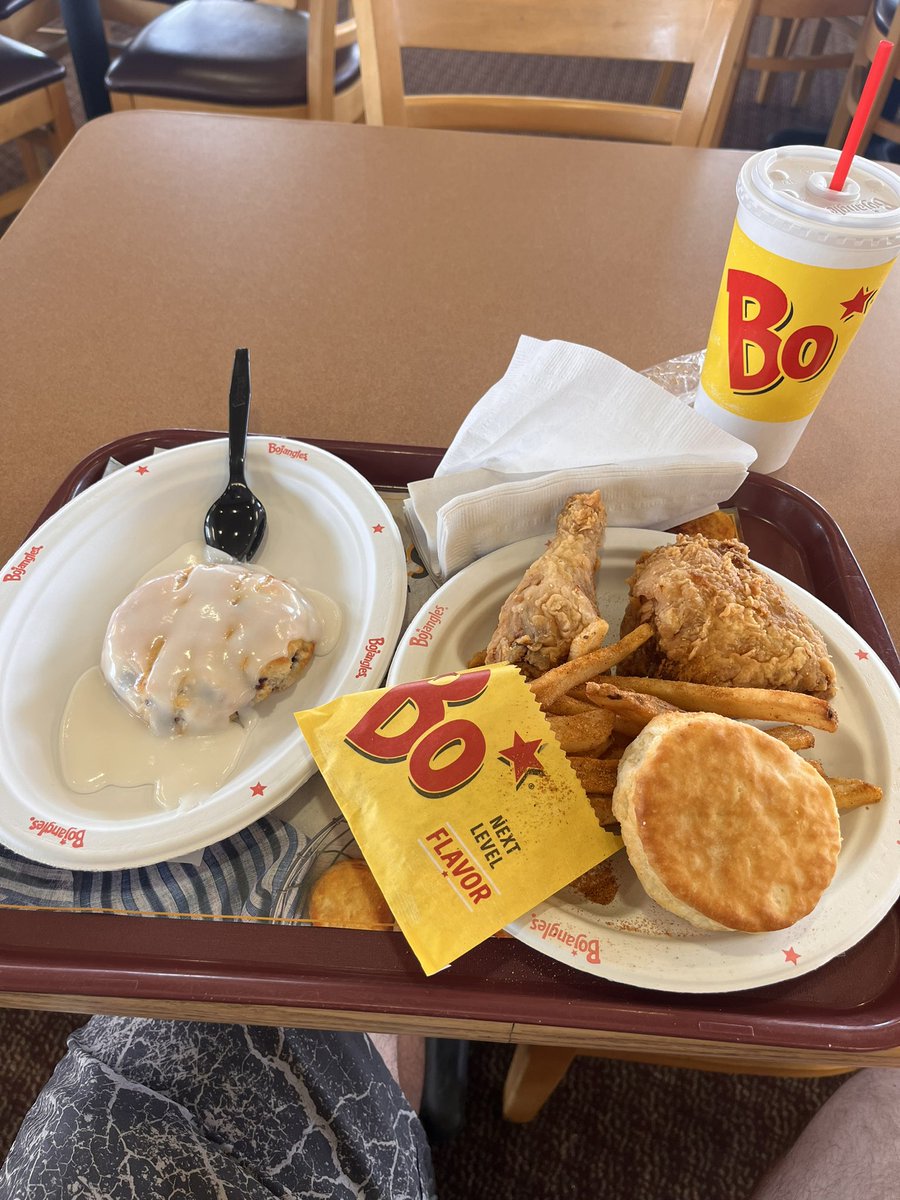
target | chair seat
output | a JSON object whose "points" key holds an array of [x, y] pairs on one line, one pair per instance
{"points": [[224, 52], [24, 69]]}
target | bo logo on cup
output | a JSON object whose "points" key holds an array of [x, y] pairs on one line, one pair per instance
{"points": [[759, 355], [427, 741]]}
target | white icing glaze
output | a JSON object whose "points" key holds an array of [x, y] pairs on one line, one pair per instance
{"points": [[186, 650], [102, 745]]}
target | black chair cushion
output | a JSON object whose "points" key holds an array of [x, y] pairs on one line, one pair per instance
{"points": [[8, 7], [224, 52], [884, 13], [24, 69]]}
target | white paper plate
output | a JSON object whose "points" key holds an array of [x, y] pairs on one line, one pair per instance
{"points": [[635, 940], [327, 529]]}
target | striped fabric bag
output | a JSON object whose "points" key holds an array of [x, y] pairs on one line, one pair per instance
{"points": [[239, 877]]}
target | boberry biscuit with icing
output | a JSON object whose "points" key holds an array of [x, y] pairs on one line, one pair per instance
{"points": [[189, 651]]}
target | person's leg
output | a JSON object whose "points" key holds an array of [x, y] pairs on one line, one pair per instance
{"points": [[850, 1150], [187, 1110]]}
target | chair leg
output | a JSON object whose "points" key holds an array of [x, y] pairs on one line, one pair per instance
{"points": [[63, 126], [29, 158], [532, 1078], [804, 81], [782, 36]]}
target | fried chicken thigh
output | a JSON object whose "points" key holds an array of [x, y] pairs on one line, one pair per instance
{"points": [[718, 619], [555, 605]]}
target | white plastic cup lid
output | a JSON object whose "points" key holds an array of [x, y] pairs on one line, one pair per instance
{"points": [[788, 188]]}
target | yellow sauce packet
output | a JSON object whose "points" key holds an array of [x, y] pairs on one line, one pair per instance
{"points": [[461, 800]]}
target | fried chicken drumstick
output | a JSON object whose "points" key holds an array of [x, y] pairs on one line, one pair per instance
{"points": [[554, 609], [718, 619]]}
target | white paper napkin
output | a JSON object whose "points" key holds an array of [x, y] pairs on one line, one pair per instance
{"points": [[563, 419]]}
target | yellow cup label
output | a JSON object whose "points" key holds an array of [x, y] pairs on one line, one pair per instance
{"points": [[780, 330], [461, 800]]}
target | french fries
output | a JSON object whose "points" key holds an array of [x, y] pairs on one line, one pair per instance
{"points": [[596, 774], [555, 683], [751, 704], [568, 706], [716, 524], [582, 733], [632, 710], [602, 806], [792, 735], [589, 639], [853, 793], [848, 793]]}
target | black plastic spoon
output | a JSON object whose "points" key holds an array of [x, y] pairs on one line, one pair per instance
{"points": [[236, 522]]}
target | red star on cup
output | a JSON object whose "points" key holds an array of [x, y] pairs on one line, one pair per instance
{"points": [[258, 789], [522, 757], [142, 470], [378, 529], [861, 654], [791, 955], [858, 305]]}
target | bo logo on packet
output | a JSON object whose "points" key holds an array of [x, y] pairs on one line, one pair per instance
{"points": [[464, 806]]}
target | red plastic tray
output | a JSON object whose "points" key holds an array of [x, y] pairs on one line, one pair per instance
{"points": [[852, 1003]]}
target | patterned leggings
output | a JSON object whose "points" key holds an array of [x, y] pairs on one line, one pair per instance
{"points": [[179, 1110]]}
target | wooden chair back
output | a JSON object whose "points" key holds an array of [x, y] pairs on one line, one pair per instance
{"points": [[708, 34], [327, 33], [787, 20], [847, 103]]}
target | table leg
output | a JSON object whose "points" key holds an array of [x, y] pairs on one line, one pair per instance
{"points": [[90, 54]]}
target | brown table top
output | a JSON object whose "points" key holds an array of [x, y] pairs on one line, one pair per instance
{"points": [[382, 278]]}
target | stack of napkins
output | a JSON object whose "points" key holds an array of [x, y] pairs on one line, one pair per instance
{"points": [[564, 419]]}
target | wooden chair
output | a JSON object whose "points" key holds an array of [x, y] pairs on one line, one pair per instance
{"points": [[30, 21], [708, 34], [788, 18], [882, 22], [277, 58], [33, 110]]}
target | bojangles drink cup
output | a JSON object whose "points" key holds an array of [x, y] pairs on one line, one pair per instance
{"points": [[803, 268]]}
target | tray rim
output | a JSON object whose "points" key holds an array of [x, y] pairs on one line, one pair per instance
{"points": [[229, 961]]}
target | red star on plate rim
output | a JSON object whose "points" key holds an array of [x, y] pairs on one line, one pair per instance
{"points": [[142, 470], [861, 654], [378, 529], [258, 788], [790, 955]]}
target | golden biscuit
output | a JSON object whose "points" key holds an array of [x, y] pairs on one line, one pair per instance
{"points": [[724, 825]]}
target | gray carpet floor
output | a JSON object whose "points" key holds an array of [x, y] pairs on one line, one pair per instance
{"points": [[612, 1129]]}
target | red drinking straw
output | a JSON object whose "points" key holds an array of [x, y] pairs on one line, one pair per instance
{"points": [[866, 100]]}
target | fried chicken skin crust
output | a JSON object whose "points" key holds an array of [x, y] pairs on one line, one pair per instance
{"points": [[556, 601], [718, 619]]}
